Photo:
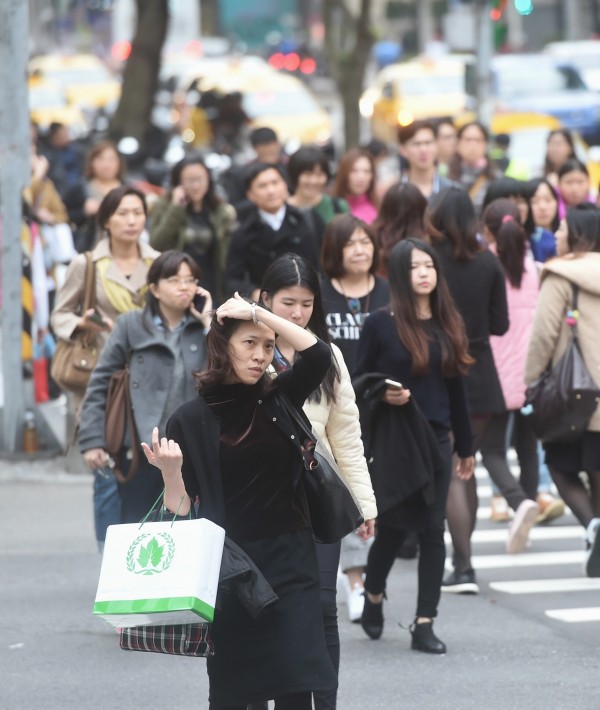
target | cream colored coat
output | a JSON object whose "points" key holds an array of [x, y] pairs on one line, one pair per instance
{"points": [[338, 427], [550, 333]]}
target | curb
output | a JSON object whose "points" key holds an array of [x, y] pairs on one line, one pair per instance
{"points": [[40, 471]]}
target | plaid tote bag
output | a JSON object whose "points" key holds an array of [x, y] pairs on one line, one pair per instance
{"points": [[179, 640]]}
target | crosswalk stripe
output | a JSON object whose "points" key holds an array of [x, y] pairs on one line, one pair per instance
{"points": [[525, 559], [546, 586], [571, 616], [558, 532]]}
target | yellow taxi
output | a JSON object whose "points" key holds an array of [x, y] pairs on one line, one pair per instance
{"points": [[409, 91], [269, 98], [48, 104], [85, 79]]}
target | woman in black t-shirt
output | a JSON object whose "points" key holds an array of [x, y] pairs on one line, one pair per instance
{"points": [[351, 290]]}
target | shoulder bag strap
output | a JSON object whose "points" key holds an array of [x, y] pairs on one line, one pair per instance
{"points": [[89, 286], [573, 315]]}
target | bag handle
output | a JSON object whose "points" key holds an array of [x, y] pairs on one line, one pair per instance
{"points": [[153, 507], [573, 313], [89, 285], [310, 441]]}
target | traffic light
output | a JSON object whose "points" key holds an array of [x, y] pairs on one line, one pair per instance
{"points": [[524, 7], [497, 10]]}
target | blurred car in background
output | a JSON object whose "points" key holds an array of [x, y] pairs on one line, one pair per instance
{"points": [[268, 98], [419, 89], [48, 104], [538, 83], [583, 54], [85, 79]]}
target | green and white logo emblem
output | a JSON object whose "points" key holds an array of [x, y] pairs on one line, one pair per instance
{"points": [[150, 556]]}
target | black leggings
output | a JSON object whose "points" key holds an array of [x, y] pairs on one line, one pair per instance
{"points": [[493, 453], [298, 701], [328, 559], [432, 553]]}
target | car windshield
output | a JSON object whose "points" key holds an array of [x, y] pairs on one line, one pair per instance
{"points": [[278, 103], [69, 77], [526, 81], [431, 85]]}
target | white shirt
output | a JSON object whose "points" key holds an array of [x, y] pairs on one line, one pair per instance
{"points": [[273, 219]]}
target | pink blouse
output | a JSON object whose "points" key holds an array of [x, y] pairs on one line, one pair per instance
{"points": [[362, 207]]}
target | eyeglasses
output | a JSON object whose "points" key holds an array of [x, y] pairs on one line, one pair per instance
{"points": [[187, 282]]}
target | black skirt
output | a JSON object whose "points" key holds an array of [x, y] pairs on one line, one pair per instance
{"points": [[573, 457], [284, 651]]}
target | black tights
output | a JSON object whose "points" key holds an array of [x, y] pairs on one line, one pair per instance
{"points": [[585, 505], [462, 506], [298, 701]]}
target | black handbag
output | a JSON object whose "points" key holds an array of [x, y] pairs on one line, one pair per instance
{"points": [[565, 397], [332, 507]]}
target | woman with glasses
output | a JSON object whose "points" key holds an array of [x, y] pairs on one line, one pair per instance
{"points": [[162, 345], [193, 219]]}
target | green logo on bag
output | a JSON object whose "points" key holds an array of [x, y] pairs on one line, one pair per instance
{"points": [[150, 556]]}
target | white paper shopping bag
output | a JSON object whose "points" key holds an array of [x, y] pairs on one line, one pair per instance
{"points": [[160, 573]]}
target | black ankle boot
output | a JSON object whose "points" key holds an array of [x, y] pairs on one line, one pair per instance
{"points": [[372, 618], [423, 639]]}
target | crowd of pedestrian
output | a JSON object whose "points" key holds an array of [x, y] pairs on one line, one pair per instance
{"points": [[405, 317]]}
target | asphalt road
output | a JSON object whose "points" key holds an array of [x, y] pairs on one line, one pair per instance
{"points": [[506, 649]]}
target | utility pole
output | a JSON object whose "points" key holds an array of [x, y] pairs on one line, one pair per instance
{"points": [[425, 24], [485, 50], [14, 175]]}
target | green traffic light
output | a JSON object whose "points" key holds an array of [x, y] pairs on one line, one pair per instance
{"points": [[524, 7]]}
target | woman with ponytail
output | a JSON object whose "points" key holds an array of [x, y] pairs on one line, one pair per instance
{"points": [[507, 238]]}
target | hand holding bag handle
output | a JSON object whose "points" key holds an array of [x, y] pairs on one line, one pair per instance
{"points": [[333, 509]]}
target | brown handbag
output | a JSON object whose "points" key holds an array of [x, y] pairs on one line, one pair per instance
{"points": [[118, 416], [74, 359]]}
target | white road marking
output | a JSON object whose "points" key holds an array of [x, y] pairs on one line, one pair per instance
{"points": [[572, 616], [557, 532], [546, 586], [525, 559]]}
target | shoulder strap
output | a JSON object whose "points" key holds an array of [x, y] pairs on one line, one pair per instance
{"points": [[476, 186], [575, 295], [89, 285]]}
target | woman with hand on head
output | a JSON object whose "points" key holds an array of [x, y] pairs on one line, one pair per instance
{"points": [[355, 183], [121, 262], [233, 455], [162, 346], [193, 219], [290, 288], [416, 350]]}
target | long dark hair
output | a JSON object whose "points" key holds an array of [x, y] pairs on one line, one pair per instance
{"points": [[453, 340], [211, 199], [455, 164], [400, 216], [548, 166], [451, 214], [292, 270], [501, 217], [583, 228], [219, 366], [341, 187], [529, 191]]}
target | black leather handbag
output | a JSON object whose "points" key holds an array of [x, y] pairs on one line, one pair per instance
{"points": [[333, 509], [565, 397]]}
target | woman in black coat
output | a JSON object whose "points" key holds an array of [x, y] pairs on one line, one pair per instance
{"points": [[477, 285], [235, 454]]}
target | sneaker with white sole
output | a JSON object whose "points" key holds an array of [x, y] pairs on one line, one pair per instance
{"points": [[356, 603], [461, 582], [592, 562], [518, 531], [550, 507]]}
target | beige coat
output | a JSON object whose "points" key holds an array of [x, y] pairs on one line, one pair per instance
{"points": [[550, 333], [68, 303], [337, 426]]}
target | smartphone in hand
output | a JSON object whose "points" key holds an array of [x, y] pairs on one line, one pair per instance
{"points": [[395, 384], [199, 302]]}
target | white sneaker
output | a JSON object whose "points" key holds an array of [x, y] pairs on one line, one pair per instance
{"points": [[356, 603], [518, 532]]}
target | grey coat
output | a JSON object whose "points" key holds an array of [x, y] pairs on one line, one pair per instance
{"points": [[138, 340]]}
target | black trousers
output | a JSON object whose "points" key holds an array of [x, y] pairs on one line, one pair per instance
{"points": [[432, 556], [298, 701]]}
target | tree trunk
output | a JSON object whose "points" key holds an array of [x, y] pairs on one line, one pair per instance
{"points": [[140, 78], [348, 42]]}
